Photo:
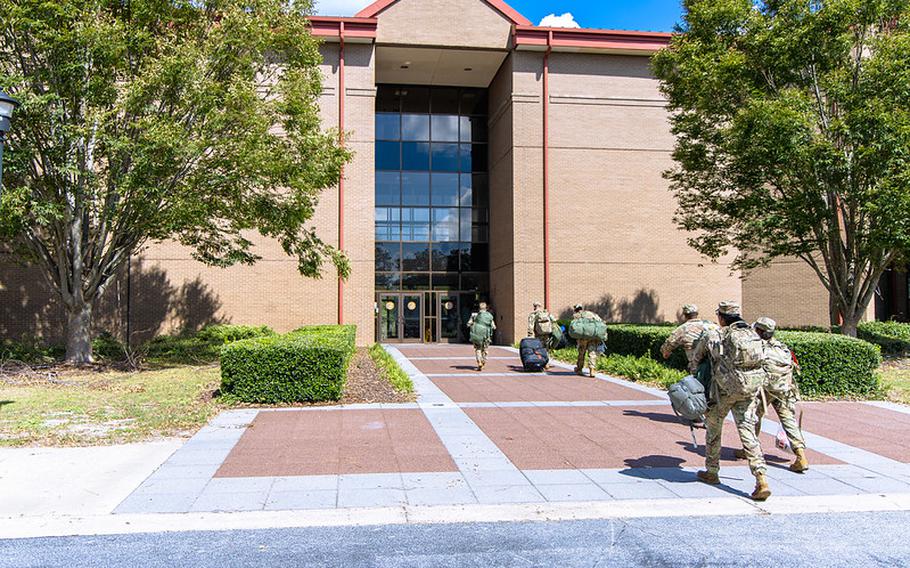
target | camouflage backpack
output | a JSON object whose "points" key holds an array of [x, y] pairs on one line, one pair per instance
{"points": [[778, 364], [543, 325], [743, 356]]}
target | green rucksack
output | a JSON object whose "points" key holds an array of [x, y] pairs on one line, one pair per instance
{"points": [[482, 330], [588, 328]]}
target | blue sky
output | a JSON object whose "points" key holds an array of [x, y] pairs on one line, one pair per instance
{"points": [[651, 15]]}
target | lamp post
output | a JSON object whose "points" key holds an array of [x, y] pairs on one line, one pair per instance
{"points": [[7, 105]]}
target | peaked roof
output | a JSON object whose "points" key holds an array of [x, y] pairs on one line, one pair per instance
{"points": [[507, 11]]}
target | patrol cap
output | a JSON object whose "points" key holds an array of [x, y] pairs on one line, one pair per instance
{"points": [[689, 309], [538, 304], [766, 324], [728, 308], [578, 307]]}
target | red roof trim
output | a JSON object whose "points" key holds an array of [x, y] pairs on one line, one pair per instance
{"points": [[323, 26], [581, 38], [509, 12]]}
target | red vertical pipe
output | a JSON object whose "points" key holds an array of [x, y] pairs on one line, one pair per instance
{"points": [[341, 95], [546, 171]]}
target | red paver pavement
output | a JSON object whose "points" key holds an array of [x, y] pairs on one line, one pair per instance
{"points": [[606, 437], [534, 388], [319, 442], [454, 350], [871, 428]]}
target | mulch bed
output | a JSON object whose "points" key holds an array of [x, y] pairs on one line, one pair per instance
{"points": [[366, 384]]}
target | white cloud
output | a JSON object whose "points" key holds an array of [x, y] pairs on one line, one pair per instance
{"points": [[340, 7], [567, 20]]}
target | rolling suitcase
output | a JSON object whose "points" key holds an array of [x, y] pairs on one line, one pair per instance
{"points": [[534, 356]]}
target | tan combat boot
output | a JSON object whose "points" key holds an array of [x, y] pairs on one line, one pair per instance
{"points": [[708, 477], [762, 491], [800, 464]]}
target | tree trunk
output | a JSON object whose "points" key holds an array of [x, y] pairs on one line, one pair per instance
{"points": [[79, 334], [851, 322]]}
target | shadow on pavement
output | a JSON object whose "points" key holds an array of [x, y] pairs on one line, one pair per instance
{"points": [[668, 469]]}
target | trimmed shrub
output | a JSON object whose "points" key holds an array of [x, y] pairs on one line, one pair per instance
{"points": [[223, 334], [201, 347], [307, 365], [892, 336], [832, 365], [639, 340]]}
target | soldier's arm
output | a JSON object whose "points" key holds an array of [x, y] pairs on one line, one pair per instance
{"points": [[672, 342], [701, 348], [493, 324], [471, 320], [531, 319]]}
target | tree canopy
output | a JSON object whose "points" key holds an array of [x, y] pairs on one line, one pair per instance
{"points": [[149, 120], [792, 120]]}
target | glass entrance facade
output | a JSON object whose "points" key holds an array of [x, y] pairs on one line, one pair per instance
{"points": [[432, 203]]}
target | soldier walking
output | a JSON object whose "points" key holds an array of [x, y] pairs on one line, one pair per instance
{"points": [[482, 326], [737, 377], [587, 348], [781, 391], [542, 325], [686, 335]]}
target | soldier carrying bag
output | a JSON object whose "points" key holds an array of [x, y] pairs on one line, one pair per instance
{"points": [[482, 330], [588, 329], [689, 402], [542, 324], [743, 356]]}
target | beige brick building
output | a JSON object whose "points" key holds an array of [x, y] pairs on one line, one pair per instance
{"points": [[494, 160]]}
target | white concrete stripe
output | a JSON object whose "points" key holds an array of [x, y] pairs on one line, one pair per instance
{"points": [[33, 527], [902, 408], [459, 358], [476, 456], [559, 403]]}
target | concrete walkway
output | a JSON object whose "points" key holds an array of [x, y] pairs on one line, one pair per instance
{"points": [[475, 447], [503, 436]]}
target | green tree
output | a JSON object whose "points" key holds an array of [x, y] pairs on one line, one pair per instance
{"points": [[792, 124], [149, 120]]}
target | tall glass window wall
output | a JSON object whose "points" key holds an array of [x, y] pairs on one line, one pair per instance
{"points": [[432, 211]]}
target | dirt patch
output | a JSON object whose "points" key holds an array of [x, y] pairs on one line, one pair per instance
{"points": [[366, 384]]}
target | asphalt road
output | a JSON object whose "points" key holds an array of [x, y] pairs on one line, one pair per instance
{"points": [[820, 541]]}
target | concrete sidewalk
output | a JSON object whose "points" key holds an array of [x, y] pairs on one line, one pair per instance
{"points": [[497, 437], [474, 446]]}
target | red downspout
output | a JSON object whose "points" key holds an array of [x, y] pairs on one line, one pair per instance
{"points": [[546, 171], [341, 95]]}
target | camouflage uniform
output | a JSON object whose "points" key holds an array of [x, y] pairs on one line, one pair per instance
{"points": [[686, 336], [540, 314], [744, 405], [587, 348], [782, 393], [480, 349]]}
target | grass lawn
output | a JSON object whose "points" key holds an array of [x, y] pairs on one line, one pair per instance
{"points": [[90, 407], [896, 384]]}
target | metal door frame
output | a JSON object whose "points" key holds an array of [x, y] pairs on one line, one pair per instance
{"points": [[399, 299]]}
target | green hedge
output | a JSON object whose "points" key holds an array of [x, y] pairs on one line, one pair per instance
{"points": [[306, 365], [832, 365], [640, 340], [892, 336], [202, 346]]}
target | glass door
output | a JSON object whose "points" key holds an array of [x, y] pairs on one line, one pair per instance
{"points": [[389, 317], [449, 317], [412, 317]]}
